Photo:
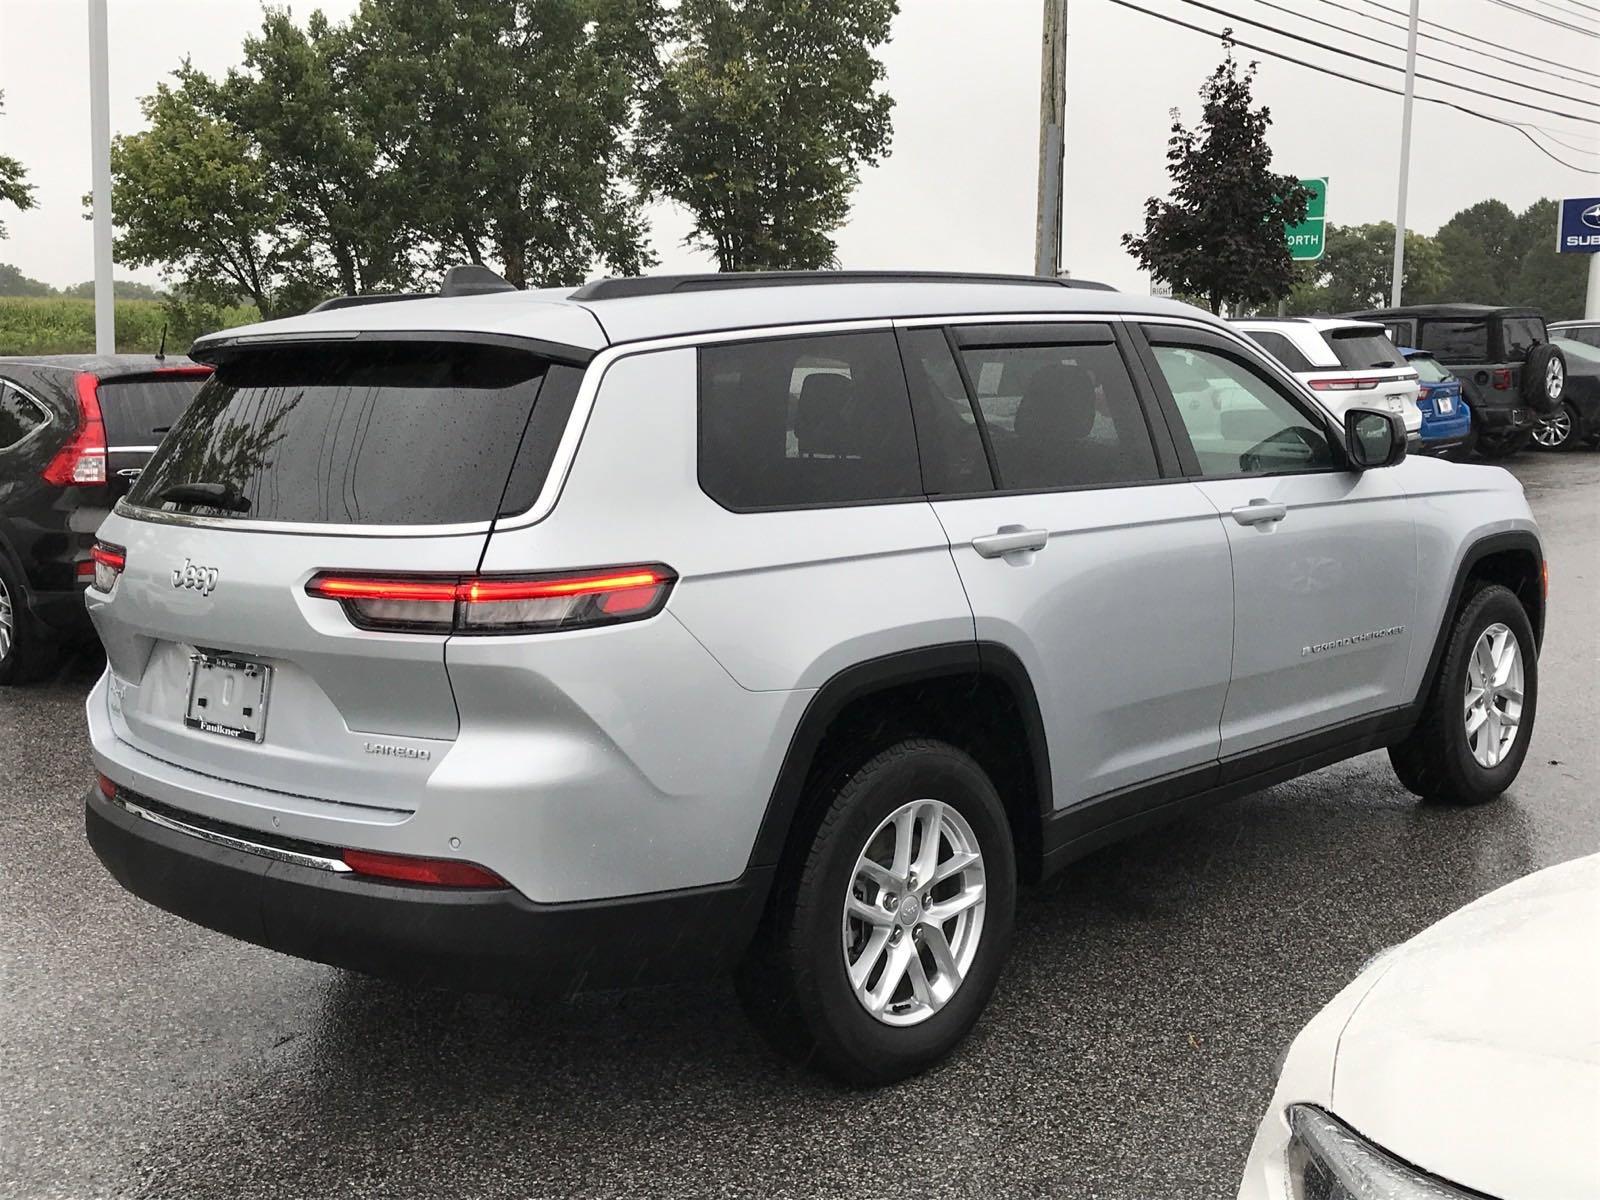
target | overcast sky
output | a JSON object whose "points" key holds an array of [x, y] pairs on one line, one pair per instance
{"points": [[958, 189]]}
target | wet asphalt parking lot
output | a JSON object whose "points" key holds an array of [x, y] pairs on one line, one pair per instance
{"points": [[1128, 1052]]}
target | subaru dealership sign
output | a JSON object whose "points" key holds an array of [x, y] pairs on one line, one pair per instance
{"points": [[1580, 226]]}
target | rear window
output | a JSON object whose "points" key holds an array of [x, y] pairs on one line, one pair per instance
{"points": [[1363, 349], [805, 421], [1455, 341], [138, 410], [402, 433], [1428, 369], [1589, 335], [1281, 348], [1521, 334]]}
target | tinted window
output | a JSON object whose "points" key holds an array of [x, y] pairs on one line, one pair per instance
{"points": [[1428, 369], [793, 422], [1455, 341], [948, 438], [1580, 357], [1359, 349], [139, 411], [1237, 420], [1589, 335], [1521, 334], [1281, 348], [1060, 416], [19, 416], [383, 434]]}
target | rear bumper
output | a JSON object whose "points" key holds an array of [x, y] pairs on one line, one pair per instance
{"points": [[63, 613], [1503, 420], [470, 940]]}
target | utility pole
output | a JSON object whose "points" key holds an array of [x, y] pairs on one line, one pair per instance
{"points": [[1052, 138], [1405, 159], [105, 312]]}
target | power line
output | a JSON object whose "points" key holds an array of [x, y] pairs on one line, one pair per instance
{"points": [[1565, 12], [1520, 62], [1461, 87], [1539, 16], [1367, 83], [1459, 45], [1367, 37], [1580, 4]]}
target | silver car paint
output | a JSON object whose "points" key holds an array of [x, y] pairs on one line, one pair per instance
{"points": [[640, 757]]}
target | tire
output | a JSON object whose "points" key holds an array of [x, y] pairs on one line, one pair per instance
{"points": [[25, 653], [795, 982], [1495, 446], [1543, 385], [1439, 761], [1561, 430]]}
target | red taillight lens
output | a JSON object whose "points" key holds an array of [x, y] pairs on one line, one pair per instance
{"points": [[83, 459], [440, 872], [497, 604], [107, 562], [107, 788], [1348, 385], [1502, 379]]}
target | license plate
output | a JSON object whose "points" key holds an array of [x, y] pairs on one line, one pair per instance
{"points": [[1396, 404], [228, 697], [1445, 405]]}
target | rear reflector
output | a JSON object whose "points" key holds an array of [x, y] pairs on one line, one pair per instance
{"points": [[107, 788], [440, 872], [497, 603], [106, 563], [82, 460]]}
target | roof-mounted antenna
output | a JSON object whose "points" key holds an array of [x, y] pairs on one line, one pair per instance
{"points": [[161, 350], [470, 279]]}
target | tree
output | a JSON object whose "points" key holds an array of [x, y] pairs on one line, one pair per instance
{"points": [[122, 289], [506, 124], [1221, 234], [14, 283], [765, 112], [14, 186], [1483, 247], [1356, 270], [1552, 282]]}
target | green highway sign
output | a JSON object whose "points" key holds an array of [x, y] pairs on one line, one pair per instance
{"points": [[1308, 239]]}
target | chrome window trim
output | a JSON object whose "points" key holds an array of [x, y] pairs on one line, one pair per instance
{"points": [[134, 513], [131, 449], [315, 861]]}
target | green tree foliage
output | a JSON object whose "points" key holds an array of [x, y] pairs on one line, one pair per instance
{"points": [[1483, 245], [765, 112], [122, 289], [14, 283], [505, 124], [1546, 279], [1221, 234], [1355, 271], [14, 186]]}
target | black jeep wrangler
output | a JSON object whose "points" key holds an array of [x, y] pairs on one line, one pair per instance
{"points": [[1509, 371]]}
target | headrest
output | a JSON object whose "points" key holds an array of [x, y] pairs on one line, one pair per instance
{"points": [[1058, 404]]}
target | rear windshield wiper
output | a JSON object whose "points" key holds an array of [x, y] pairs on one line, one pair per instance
{"points": [[207, 495]]}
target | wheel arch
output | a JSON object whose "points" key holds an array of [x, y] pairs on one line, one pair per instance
{"points": [[962, 692]]}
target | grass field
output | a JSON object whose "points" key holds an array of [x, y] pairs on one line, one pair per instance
{"points": [[56, 325]]}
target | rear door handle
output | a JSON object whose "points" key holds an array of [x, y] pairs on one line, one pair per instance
{"points": [[1260, 512], [1008, 539]]}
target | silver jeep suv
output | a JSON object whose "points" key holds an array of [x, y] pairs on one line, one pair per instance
{"points": [[554, 639]]}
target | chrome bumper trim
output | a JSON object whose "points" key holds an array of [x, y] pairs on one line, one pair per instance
{"points": [[314, 861]]}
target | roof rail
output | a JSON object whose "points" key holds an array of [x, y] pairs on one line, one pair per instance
{"points": [[661, 285], [469, 279]]}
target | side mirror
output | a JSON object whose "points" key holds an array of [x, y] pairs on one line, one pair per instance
{"points": [[1373, 438]]}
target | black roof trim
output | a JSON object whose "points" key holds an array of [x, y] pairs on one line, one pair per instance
{"points": [[468, 279], [662, 285], [371, 298], [1446, 310]]}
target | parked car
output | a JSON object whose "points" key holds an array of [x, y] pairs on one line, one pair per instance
{"points": [[1459, 1065], [1587, 332], [541, 640], [1577, 421], [1348, 364], [74, 432], [1510, 373], [1446, 416]]}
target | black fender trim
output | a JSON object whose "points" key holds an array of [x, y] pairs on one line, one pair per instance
{"points": [[951, 660]]}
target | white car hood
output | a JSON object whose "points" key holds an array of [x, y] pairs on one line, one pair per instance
{"points": [[1476, 1053]]}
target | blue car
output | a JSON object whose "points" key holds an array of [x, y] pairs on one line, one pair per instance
{"points": [[1446, 419]]}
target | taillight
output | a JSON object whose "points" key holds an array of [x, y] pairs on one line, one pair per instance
{"points": [[497, 603], [1502, 379], [83, 459], [441, 872], [1347, 385], [107, 562], [107, 788]]}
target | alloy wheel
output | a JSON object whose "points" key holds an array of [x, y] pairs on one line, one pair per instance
{"points": [[1554, 377], [1493, 706], [913, 912], [1553, 431], [8, 622]]}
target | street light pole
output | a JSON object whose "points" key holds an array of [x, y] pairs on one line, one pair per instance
{"points": [[1052, 138], [105, 313], [1405, 159]]}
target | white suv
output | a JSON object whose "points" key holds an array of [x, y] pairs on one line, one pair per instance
{"points": [[1348, 364], [554, 639]]}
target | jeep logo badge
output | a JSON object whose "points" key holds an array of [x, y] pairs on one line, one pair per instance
{"points": [[199, 579]]}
